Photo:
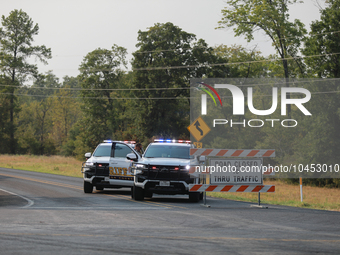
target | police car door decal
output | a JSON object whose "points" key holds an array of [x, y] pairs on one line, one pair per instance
{"points": [[119, 164]]}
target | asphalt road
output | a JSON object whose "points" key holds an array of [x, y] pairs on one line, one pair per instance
{"points": [[49, 214]]}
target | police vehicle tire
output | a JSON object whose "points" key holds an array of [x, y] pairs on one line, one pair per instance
{"points": [[88, 187], [194, 196], [138, 193], [132, 192]]}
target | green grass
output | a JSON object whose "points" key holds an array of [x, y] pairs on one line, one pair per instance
{"points": [[45, 164], [289, 195]]}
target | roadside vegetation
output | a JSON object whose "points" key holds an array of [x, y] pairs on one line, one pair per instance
{"points": [[60, 165], [289, 194], [285, 194]]}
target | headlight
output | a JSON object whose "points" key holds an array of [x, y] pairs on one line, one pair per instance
{"points": [[87, 165], [187, 167], [138, 168]]}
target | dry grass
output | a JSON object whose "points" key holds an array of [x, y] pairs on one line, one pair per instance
{"points": [[285, 194], [47, 164], [288, 194]]}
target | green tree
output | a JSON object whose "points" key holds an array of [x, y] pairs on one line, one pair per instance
{"points": [[101, 71], [34, 127], [65, 113], [270, 17], [16, 37], [41, 100], [166, 59], [5, 125], [247, 62], [323, 41]]}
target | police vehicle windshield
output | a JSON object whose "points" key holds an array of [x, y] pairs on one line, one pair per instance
{"points": [[167, 151], [102, 151]]}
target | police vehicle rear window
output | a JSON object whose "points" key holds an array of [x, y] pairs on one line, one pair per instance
{"points": [[167, 151]]}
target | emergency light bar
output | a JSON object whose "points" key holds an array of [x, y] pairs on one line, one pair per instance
{"points": [[171, 141], [127, 142]]}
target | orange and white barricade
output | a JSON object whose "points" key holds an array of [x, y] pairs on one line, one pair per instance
{"points": [[231, 188]]}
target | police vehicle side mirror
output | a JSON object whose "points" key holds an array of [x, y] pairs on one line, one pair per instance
{"points": [[88, 155], [132, 156]]}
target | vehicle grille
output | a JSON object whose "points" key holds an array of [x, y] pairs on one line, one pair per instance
{"points": [[100, 169], [160, 172]]}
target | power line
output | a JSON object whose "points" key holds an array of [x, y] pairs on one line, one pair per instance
{"points": [[325, 81], [226, 64], [213, 65], [111, 98], [90, 89], [147, 98], [158, 51]]}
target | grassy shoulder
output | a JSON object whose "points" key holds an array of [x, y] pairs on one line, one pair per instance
{"points": [[60, 165], [289, 194], [285, 194]]}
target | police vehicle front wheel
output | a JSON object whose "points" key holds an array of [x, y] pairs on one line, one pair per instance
{"points": [[138, 193], [132, 192], [88, 187]]}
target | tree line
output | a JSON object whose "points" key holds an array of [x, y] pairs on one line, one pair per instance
{"points": [[106, 102]]}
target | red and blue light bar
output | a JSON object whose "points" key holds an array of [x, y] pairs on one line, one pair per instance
{"points": [[127, 142], [171, 141]]}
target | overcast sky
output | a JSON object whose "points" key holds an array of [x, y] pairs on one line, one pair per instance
{"points": [[73, 28]]}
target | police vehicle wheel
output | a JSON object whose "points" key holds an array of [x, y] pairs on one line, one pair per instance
{"points": [[194, 196], [138, 193], [132, 192], [88, 187]]}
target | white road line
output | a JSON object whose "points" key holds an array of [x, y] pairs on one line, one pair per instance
{"points": [[29, 201], [100, 208]]}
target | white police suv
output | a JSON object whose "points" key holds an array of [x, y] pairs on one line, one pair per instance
{"points": [[164, 169], [108, 166]]}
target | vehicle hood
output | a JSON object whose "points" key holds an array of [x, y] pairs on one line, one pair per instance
{"points": [[165, 161], [99, 159]]}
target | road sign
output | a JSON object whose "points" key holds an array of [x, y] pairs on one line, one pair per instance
{"points": [[198, 145], [199, 129], [235, 171]]}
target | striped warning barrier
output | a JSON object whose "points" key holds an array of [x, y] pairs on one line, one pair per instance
{"points": [[231, 188], [232, 153]]}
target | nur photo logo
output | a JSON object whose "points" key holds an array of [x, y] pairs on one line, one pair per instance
{"points": [[239, 104]]}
